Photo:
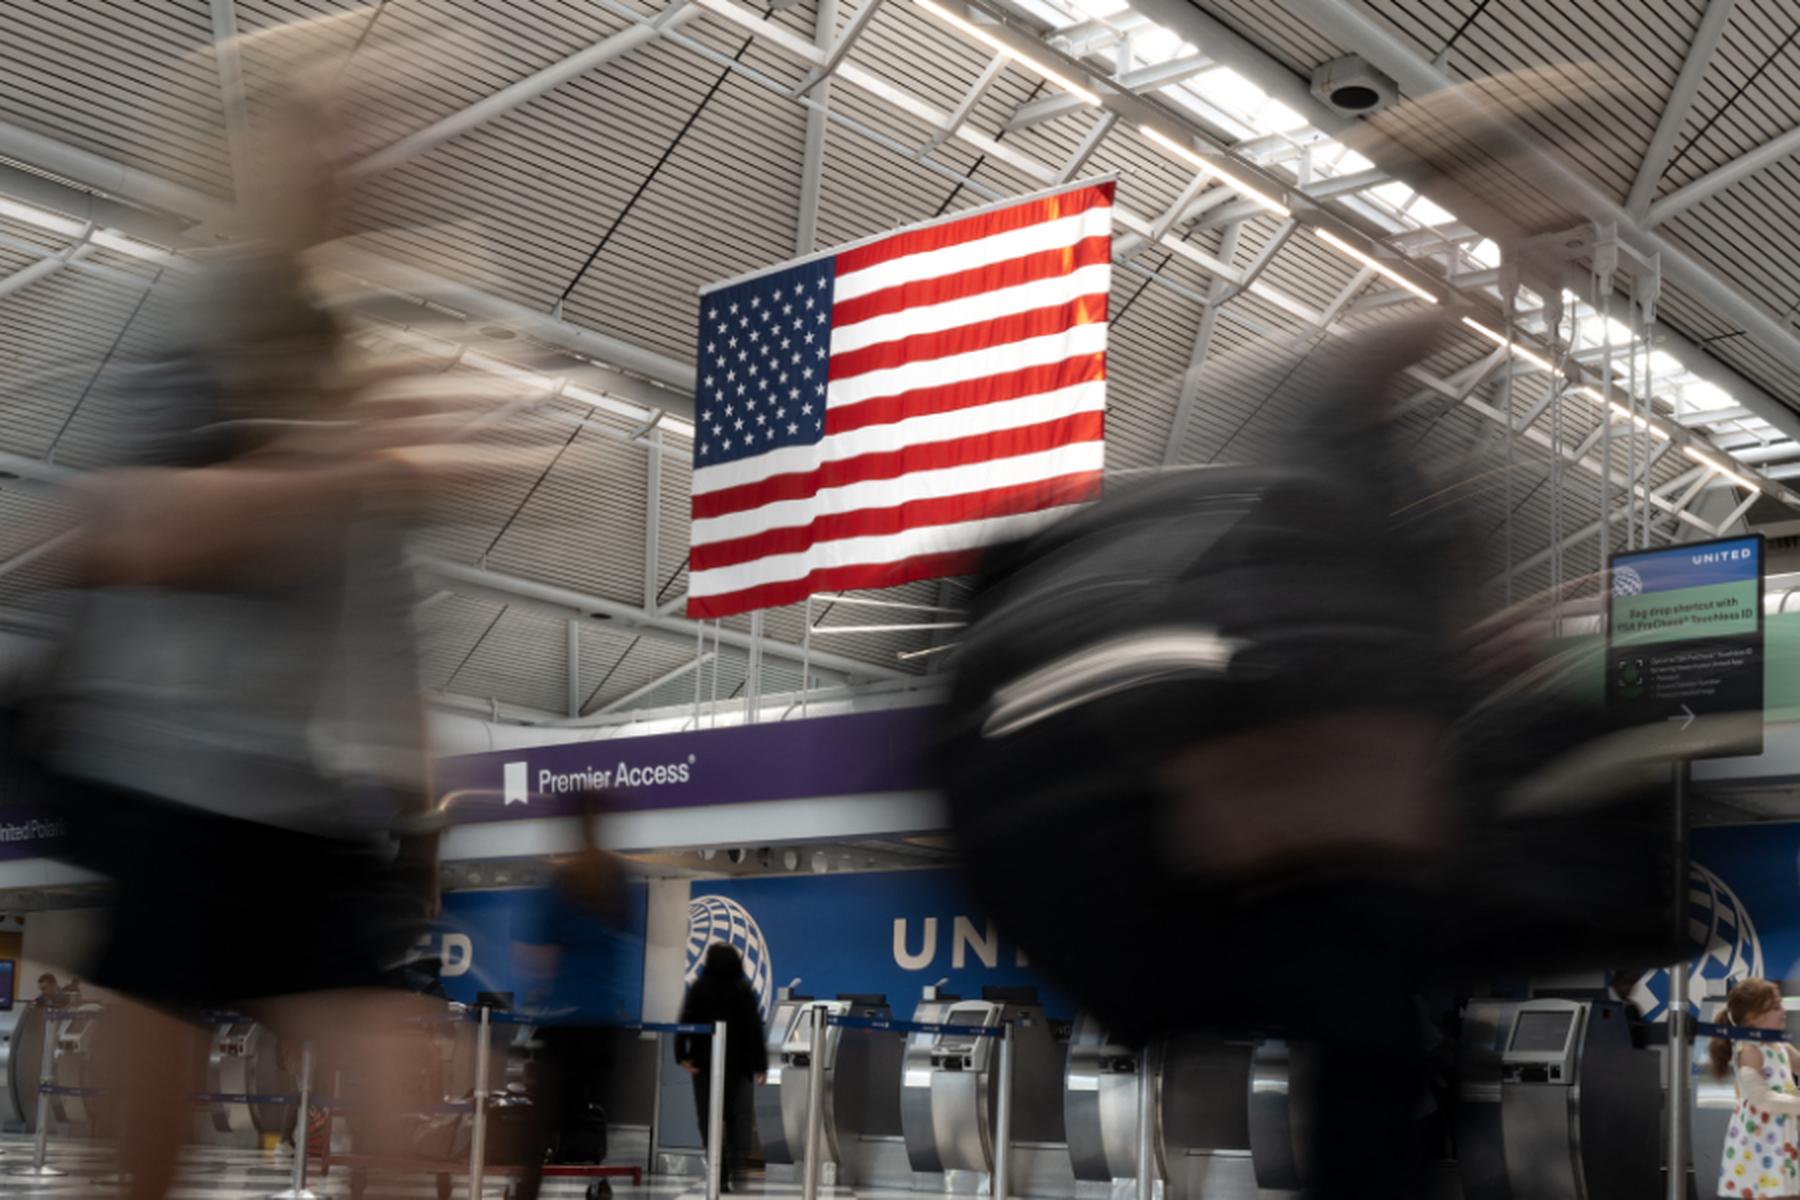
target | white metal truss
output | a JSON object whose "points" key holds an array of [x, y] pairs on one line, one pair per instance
{"points": [[1120, 84], [1714, 182], [1676, 108]]}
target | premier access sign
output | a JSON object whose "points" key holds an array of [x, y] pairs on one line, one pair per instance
{"points": [[1684, 645]]}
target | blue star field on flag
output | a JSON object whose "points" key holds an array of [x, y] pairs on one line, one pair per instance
{"points": [[765, 349]]}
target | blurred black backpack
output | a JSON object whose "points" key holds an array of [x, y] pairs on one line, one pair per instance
{"points": [[1198, 609]]}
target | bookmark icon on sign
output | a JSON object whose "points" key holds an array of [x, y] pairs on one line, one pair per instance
{"points": [[514, 784]]}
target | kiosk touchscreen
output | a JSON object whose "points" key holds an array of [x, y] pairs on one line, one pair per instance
{"points": [[1539, 1049]]}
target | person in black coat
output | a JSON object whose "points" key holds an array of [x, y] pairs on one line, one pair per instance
{"points": [[722, 993]]}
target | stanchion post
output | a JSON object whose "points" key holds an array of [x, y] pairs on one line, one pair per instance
{"points": [[297, 1189], [715, 1115], [40, 1167], [1146, 1126], [815, 1106], [1676, 1180], [1003, 1117], [478, 1140]]}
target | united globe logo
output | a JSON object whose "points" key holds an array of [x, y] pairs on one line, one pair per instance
{"points": [[1627, 582], [1733, 951], [721, 919]]}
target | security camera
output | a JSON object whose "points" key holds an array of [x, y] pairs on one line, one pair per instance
{"points": [[1352, 87]]}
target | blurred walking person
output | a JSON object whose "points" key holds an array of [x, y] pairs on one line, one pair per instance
{"points": [[723, 993], [233, 725]]}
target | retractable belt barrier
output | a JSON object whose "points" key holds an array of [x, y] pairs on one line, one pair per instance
{"points": [[898, 1026], [1739, 1033], [484, 1016]]}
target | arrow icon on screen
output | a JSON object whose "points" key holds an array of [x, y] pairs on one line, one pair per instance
{"points": [[1688, 721]]}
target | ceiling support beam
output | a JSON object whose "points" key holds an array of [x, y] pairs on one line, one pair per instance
{"points": [[1264, 257], [40, 191], [1778, 452], [1352, 26], [653, 521], [1143, 79], [110, 178], [948, 127], [231, 91], [31, 554], [839, 48], [661, 681], [1195, 375], [1358, 282], [574, 667], [43, 268], [1714, 182], [626, 616], [521, 92], [818, 120], [1679, 103], [1089, 144], [387, 276], [1345, 185]]}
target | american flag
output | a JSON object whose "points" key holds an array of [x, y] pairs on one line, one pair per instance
{"points": [[874, 416], [877, 414]]}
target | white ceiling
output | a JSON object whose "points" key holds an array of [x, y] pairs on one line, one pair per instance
{"points": [[682, 162]]}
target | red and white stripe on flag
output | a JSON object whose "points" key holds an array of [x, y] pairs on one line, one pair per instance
{"points": [[876, 415]]}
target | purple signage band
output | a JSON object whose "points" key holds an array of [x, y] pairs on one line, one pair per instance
{"points": [[854, 754]]}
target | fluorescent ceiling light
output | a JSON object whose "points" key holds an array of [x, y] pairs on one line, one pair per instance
{"points": [[69, 227], [1223, 176], [1001, 47], [1374, 264], [1499, 339], [112, 239], [1707, 460], [54, 222]]}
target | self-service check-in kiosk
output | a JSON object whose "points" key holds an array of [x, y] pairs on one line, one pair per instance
{"points": [[856, 1062], [80, 1052], [950, 1085], [21, 1049], [1577, 1110], [245, 1061], [1101, 1092], [1281, 1099], [1199, 1135]]}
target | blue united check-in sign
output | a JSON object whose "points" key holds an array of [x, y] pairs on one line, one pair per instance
{"points": [[1684, 645]]}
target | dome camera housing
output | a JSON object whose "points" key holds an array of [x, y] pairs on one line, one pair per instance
{"points": [[1352, 87]]}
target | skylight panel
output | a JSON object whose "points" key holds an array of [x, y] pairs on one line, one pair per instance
{"points": [[1276, 117]]}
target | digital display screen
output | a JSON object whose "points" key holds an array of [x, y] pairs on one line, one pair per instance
{"points": [[1542, 1032], [9, 971]]}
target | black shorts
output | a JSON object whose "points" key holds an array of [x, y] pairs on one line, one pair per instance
{"points": [[212, 911]]}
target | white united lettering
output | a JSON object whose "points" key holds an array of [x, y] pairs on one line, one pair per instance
{"points": [[964, 937]]}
